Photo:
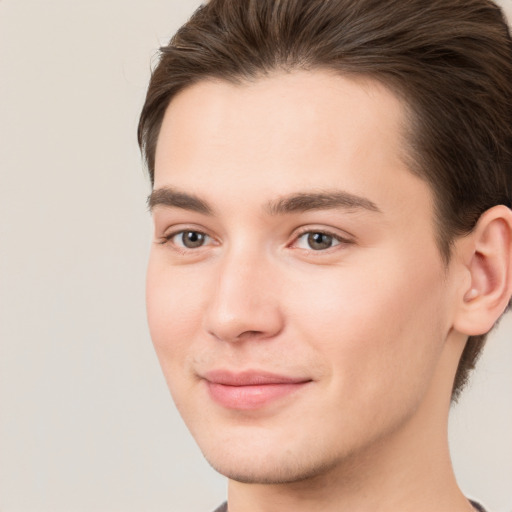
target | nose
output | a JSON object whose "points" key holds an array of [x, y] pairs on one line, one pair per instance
{"points": [[244, 302]]}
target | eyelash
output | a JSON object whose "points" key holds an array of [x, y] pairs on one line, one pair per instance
{"points": [[167, 239], [338, 238], [184, 250]]}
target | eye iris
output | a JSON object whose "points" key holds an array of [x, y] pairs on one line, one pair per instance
{"points": [[192, 239], [318, 241]]}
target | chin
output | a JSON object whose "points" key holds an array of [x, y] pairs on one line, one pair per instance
{"points": [[279, 467], [268, 475]]}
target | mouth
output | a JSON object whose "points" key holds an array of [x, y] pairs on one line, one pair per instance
{"points": [[250, 389]]}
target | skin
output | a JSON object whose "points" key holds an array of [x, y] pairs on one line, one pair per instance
{"points": [[369, 322]]}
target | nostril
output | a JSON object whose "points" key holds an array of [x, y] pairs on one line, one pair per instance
{"points": [[233, 337], [250, 335]]}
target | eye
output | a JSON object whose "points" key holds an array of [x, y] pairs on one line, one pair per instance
{"points": [[189, 239], [317, 241]]}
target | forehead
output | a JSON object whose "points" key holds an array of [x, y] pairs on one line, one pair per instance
{"points": [[283, 133], [295, 111]]}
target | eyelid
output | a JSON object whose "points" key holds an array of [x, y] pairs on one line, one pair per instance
{"points": [[171, 232], [346, 239]]}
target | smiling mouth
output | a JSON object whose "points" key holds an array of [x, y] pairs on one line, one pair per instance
{"points": [[251, 389]]}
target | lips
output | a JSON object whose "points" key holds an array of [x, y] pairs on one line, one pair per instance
{"points": [[250, 389]]}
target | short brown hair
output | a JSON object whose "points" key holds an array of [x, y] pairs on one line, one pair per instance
{"points": [[450, 60]]}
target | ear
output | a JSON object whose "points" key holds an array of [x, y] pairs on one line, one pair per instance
{"points": [[487, 256]]}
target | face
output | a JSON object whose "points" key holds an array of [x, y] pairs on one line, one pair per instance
{"points": [[296, 298]]}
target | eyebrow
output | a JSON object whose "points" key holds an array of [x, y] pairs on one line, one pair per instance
{"points": [[293, 203], [327, 200], [172, 198]]}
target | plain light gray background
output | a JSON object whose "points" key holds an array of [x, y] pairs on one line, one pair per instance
{"points": [[86, 422]]}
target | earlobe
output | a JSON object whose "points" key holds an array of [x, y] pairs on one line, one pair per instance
{"points": [[488, 258]]}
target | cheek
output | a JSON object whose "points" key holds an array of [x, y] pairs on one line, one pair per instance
{"points": [[373, 321], [173, 309], [174, 318]]}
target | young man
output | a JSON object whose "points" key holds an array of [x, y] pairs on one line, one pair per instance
{"points": [[331, 191]]}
